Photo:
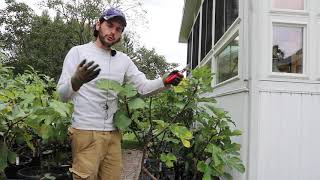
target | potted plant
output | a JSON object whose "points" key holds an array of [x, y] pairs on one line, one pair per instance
{"points": [[30, 114]]}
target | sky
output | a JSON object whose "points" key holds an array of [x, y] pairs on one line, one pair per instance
{"points": [[164, 17], [162, 30]]}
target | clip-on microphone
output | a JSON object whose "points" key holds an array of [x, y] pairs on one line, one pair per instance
{"points": [[113, 52]]}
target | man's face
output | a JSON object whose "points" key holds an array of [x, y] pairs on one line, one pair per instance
{"points": [[109, 32]]}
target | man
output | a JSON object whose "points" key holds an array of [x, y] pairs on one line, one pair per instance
{"points": [[95, 142]]}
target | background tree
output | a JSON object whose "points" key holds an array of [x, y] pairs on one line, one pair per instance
{"points": [[3, 57], [85, 12], [148, 61], [151, 63], [16, 20], [46, 45], [42, 41]]}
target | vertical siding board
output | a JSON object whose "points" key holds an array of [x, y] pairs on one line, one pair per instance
{"points": [[280, 136], [310, 158]]}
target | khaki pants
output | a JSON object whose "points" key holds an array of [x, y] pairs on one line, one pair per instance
{"points": [[96, 155]]}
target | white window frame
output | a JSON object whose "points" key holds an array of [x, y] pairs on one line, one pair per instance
{"points": [[304, 74], [317, 46], [224, 41]]}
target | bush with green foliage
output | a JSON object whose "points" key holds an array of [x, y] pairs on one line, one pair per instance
{"points": [[29, 110], [181, 126]]}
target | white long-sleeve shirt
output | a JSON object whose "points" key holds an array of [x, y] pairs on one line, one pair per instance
{"points": [[90, 112]]}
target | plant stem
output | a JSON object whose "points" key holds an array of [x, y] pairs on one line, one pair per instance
{"points": [[177, 115], [204, 147], [145, 170]]}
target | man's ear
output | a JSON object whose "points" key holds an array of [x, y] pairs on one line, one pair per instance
{"points": [[98, 24]]}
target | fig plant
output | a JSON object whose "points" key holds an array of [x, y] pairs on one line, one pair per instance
{"points": [[30, 113], [181, 127]]}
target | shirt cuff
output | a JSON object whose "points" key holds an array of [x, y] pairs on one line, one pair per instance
{"points": [[65, 91]]}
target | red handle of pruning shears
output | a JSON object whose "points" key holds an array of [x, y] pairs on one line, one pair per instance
{"points": [[173, 76]]}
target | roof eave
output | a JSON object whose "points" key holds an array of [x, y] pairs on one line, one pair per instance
{"points": [[190, 12]]}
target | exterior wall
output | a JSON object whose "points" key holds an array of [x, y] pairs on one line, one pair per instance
{"points": [[288, 143], [283, 121], [236, 104], [278, 112]]}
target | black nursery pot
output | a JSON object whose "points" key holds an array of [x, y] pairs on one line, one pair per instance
{"points": [[12, 169], [167, 173], [30, 173], [36, 173]]}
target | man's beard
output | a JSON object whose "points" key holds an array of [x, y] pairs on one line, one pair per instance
{"points": [[105, 43]]}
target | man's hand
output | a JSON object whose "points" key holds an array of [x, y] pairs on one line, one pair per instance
{"points": [[85, 73], [174, 78]]}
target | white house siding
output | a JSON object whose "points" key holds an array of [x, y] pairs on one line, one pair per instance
{"points": [[278, 112], [288, 136], [237, 106]]}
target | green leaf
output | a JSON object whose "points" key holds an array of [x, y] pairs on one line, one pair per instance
{"points": [[178, 89], [181, 132], [227, 176], [207, 171], [121, 120], [12, 157], [168, 159], [179, 105], [175, 141], [28, 139], [2, 106], [231, 148], [28, 98], [48, 120], [106, 84], [181, 87], [136, 103], [46, 132], [9, 94], [19, 139], [3, 157], [236, 133], [201, 166], [62, 108], [185, 143], [219, 112], [215, 153], [43, 111], [208, 99], [160, 123], [3, 98], [128, 91], [207, 176], [17, 112], [236, 163]]}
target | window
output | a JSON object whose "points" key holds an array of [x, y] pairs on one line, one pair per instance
{"points": [[195, 44], [288, 4], [226, 12], [287, 49], [227, 61], [209, 63], [189, 50], [206, 27]]}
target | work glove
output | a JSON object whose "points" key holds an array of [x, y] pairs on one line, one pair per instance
{"points": [[85, 73], [173, 78]]}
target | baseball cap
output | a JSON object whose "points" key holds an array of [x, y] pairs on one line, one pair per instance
{"points": [[114, 12]]}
